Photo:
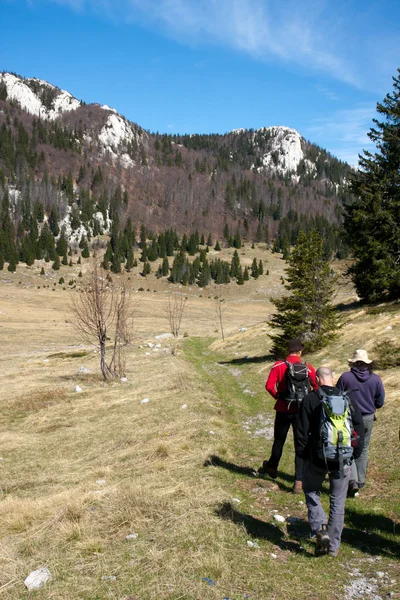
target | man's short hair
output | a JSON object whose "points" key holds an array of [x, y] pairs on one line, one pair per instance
{"points": [[295, 346], [324, 372]]}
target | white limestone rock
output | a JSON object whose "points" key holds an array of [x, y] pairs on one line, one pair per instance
{"points": [[38, 579]]}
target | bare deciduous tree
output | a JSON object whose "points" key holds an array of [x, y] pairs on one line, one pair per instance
{"points": [[174, 308], [102, 312], [220, 308]]}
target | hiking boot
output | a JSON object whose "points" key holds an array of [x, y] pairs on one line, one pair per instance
{"points": [[333, 553], [353, 489], [323, 540], [298, 487], [267, 470]]}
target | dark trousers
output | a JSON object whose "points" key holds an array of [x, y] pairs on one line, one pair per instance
{"points": [[282, 424]]}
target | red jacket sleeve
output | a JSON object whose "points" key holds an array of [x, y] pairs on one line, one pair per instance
{"points": [[272, 381], [312, 376]]}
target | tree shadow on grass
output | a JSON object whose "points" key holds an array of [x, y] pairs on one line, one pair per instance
{"points": [[245, 360], [258, 529], [363, 533], [344, 307], [216, 461]]}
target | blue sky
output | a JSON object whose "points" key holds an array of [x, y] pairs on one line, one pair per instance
{"points": [[206, 66]]}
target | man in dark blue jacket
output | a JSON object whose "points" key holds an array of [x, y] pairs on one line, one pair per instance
{"points": [[307, 442], [366, 391]]}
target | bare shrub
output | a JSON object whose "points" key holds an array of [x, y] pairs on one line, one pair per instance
{"points": [[104, 312], [220, 308], [174, 309]]}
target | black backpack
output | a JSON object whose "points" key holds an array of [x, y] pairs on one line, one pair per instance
{"points": [[298, 382]]}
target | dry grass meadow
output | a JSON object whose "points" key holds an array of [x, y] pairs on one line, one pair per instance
{"points": [[81, 471]]}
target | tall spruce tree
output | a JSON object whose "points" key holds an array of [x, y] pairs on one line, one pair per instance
{"points": [[372, 221], [307, 313]]}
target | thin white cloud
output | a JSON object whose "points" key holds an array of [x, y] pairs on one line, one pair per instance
{"points": [[347, 131], [357, 47], [290, 31], [324, 91]]}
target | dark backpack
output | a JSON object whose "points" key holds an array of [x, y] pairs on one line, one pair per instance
{"points": [[336, 429], [298, 382]]}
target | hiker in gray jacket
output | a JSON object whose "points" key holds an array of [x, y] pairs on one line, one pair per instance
{"points": [[366, 390]]}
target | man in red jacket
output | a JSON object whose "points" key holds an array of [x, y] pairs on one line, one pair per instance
{"points": [[286, 411]]}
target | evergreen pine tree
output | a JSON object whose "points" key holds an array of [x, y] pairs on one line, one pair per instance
{"points": [[85, 250], [260, 268], [165, 267], [307, 313], [209, 240], [372, 221], [235, 264], [246, 274], [254, 269], [42, 272], [205, 274], [115, 264], [56, 264], [129, 261], [65, 260], [217, 247], [239, 277], [146, 269]]}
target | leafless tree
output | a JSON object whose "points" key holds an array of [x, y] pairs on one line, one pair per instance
{"points": [[174, 308], [103, 312], [220, 308]]}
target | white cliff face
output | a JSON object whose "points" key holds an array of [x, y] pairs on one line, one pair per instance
{"points": [[22, 93], [285, 152], [19, 91], [116, 131], [114, 137]]}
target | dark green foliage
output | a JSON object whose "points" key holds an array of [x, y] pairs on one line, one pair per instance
{"points": [[165, 267], [205, 274], [237, 240], [246, 276], [62, 244], [254, 269], [217, 247], [115, 264], [64, 260], [372, 221], [61, 280], [129, 261], [80, 274], [307, 313], [42, 272], [56, 264], [146, 269], [85, 250], [239, 276], [260, 268], [387, 355], [235, 264]]}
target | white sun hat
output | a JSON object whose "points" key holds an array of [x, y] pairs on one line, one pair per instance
{"points": [[360, 356]]}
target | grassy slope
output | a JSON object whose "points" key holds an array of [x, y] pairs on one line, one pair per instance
{"points": [[81, 471]]}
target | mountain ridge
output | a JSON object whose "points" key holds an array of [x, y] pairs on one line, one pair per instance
{"points": [[244, 178]]}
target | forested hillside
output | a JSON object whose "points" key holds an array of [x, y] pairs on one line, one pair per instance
{"points": [[70, 169]]}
